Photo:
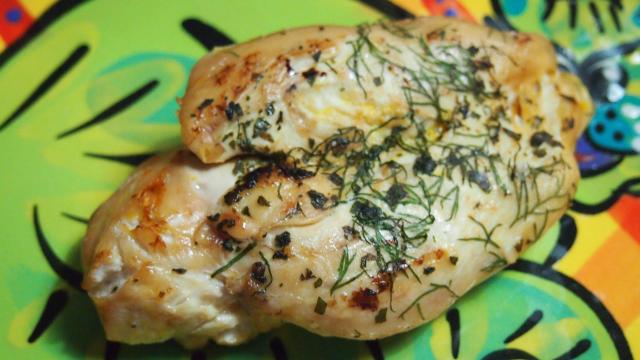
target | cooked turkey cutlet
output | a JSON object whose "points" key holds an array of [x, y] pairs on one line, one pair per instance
{"points": [[357, 182]]}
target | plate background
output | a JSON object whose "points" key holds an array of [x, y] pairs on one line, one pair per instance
{"points": [[87, 90]]}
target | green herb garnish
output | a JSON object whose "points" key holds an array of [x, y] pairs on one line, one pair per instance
{"points": [[234, 259]]}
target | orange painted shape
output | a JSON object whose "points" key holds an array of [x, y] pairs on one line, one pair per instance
{"points": [[613, 274], [448, 8], [627, 213], [593, 231], [14, 20]]}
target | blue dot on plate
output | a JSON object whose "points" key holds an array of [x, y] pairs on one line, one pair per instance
{"points": [[636, 16], [13, 15], [450, 12], [514, 7]]}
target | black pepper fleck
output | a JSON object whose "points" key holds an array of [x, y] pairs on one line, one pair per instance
{"points": [[308, 275], [204, 104], [283, 239], [318, 200], [258, 272], [279, 255], [310, 75], [424, 164], [233, 110], [262, 201]]}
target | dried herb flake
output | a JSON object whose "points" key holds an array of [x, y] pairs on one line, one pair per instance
{"points": [[381, 316], [321, 306]]}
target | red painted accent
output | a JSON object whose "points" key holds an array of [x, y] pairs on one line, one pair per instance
{"points": [[627, 212], [9, 31], [440, 7]]}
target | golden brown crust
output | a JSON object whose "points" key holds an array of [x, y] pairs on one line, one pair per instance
{"points": [[271, 70]]}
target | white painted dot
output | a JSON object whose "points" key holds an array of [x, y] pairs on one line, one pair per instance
{"points": [[635, 144], [635, 58], [631, 111], [612, 73], [615, 92]]}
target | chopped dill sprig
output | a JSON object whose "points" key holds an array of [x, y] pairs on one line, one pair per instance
{"points": [[487, 234], [402, 174], [497, 263], [234, 260], [345, 263], [434, 287]]}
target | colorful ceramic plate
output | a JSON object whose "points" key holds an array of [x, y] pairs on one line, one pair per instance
{"points": [[88, 90]]}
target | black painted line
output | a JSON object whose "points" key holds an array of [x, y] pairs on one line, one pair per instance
{"points": [[501, 22], [75, 218], [607, 203], [548, 9], [496, 23], [72, 276], [375, 349], [128, 159], [596, 15], [508, 354], [614, 16], [566, 61], [613, 328], [603, 169], [47, 18], [453, 318], [69, 63], [277, 349], [566, 238], [598, 56], [205, 34], [114, 109], [198, 355], [388, 8], [527, 325], [54, 306], [578, 349], [573, 13], [111, 350]]}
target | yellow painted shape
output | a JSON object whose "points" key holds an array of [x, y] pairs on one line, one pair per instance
{"points": [[633, 332], [440, 342], [478, 329], [22, 323], [478, 8], [556, 337], [36, 7], [2, 45], [634, 87], [613, 274], [593, 231], [413, 6]]}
